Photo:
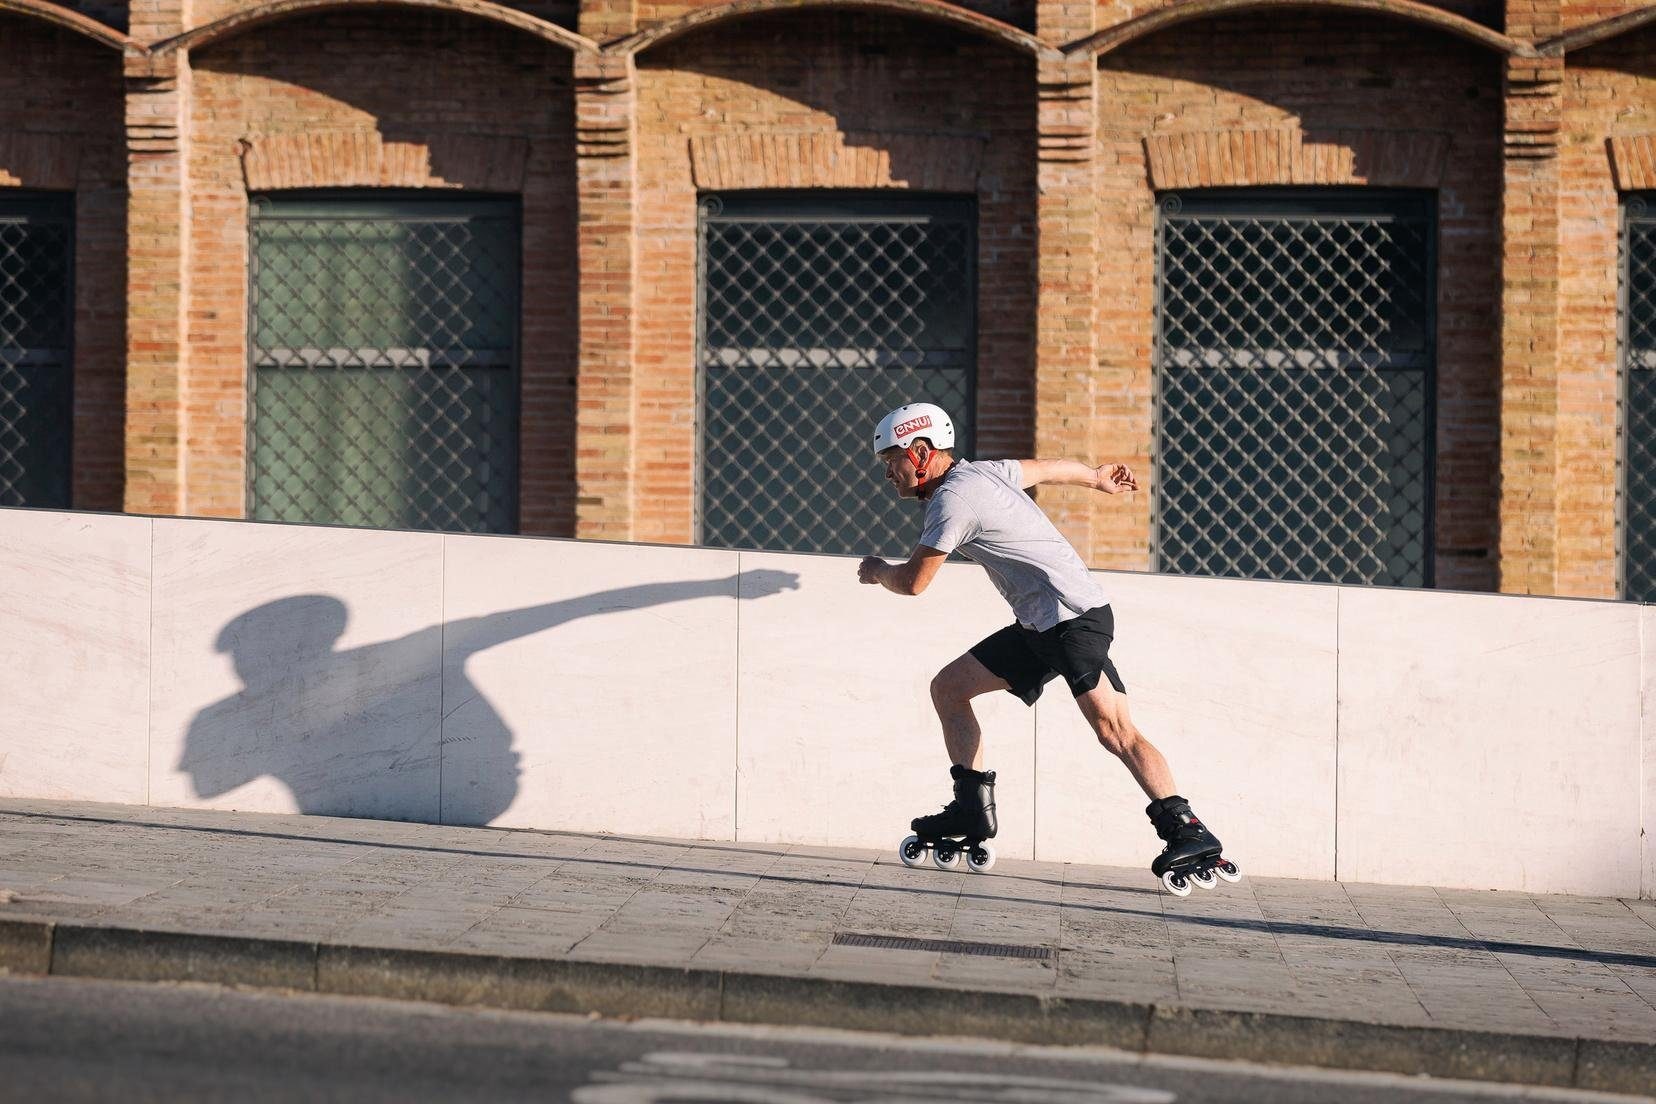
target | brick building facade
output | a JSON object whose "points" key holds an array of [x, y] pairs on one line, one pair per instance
{"points": [[1529, 126]]}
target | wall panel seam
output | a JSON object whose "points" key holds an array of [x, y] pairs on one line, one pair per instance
{"points": [[442, 669], [149, 671], [736, 719]]}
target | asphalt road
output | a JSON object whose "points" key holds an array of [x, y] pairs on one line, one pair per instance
{"points": [[71, 1040]]}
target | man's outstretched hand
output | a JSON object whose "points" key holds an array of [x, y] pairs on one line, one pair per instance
{"points": [[868, 571], [1115, 478]]}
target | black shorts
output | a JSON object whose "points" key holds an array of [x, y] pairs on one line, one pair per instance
{"points": [[1078, 649]]}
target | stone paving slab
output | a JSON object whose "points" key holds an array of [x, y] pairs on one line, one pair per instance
{"points": [[1457, 982]]}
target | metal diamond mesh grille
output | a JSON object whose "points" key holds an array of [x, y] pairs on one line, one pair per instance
{"points": [[384, 374], [36, 324], [1638, 506], [817, 317], [1295, 397]]}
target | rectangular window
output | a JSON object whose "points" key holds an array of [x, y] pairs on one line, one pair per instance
{"points": [[1636, 512], [384, 374], [37, 323], [1295, 385], [818, 314]]}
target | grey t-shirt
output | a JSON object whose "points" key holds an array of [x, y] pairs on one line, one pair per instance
{"points": [[981, 510]]}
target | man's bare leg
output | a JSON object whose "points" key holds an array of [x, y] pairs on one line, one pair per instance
{"points": [[1106, 711], [952, 691]]}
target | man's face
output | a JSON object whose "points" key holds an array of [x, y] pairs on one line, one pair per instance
{"points": [[900, 471]]}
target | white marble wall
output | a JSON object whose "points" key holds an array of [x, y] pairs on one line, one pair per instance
{"points": [[590, 687], [1489, 741], [1234, 682], [296, 669], [1647, 738], [1368, 734], [74, 656], [838, 743]]}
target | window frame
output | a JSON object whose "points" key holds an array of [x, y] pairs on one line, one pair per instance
{"points": [[396, 205], [24, 205], [831, 206], [1305, 203]]}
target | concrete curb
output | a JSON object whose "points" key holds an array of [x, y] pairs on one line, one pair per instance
{"points": [[26, 946], [638, 989]]}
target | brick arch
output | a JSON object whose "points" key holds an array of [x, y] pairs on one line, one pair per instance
{"points": [[243, 21], [936, 11], [1594, 33], [1184, 11], [48, 12]]}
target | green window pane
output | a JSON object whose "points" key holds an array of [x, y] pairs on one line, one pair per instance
{"points": [[385, 363]]}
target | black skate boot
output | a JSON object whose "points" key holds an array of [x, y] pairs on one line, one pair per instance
{"points": [[1192, 855], [960, 829]]}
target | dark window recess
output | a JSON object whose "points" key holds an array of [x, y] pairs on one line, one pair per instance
{"points": [[817, 315], [37, 316], [1636, 511], [1295, 385]]}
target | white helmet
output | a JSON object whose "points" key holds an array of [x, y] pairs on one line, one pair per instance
{"points": [[903, 426]]}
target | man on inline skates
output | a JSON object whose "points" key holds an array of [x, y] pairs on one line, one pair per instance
{"points": [[1064, 627]]}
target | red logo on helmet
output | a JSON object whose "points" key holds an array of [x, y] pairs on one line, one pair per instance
{"points": [[922, 422]]}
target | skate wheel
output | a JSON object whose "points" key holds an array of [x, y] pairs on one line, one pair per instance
{"points": [[1176, 883], [947, 857], [1228, 871], [912, 851], [1203, 878], [980, 859]]}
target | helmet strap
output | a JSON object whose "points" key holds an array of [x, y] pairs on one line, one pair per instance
{"points": [[920, 479]]}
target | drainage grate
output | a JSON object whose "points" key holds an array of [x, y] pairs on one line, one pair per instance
{"points": [[946, 946]]}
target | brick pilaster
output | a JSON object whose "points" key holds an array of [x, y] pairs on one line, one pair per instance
{"points": [[606, 110], [1530, 327], [158, 207], [1534, 21], [1066, 220], [607, 20]]}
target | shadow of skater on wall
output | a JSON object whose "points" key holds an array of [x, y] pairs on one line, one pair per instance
{"points": [[355, 732]]}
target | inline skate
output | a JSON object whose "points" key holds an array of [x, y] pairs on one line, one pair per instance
{"points": [[1192, 855], [961, 829]]}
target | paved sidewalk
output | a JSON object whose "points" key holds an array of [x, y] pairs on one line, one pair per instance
{"points": [[1498, 985]]}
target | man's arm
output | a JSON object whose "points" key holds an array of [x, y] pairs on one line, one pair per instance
{"points": [[1109, 478], [904, 578]]}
